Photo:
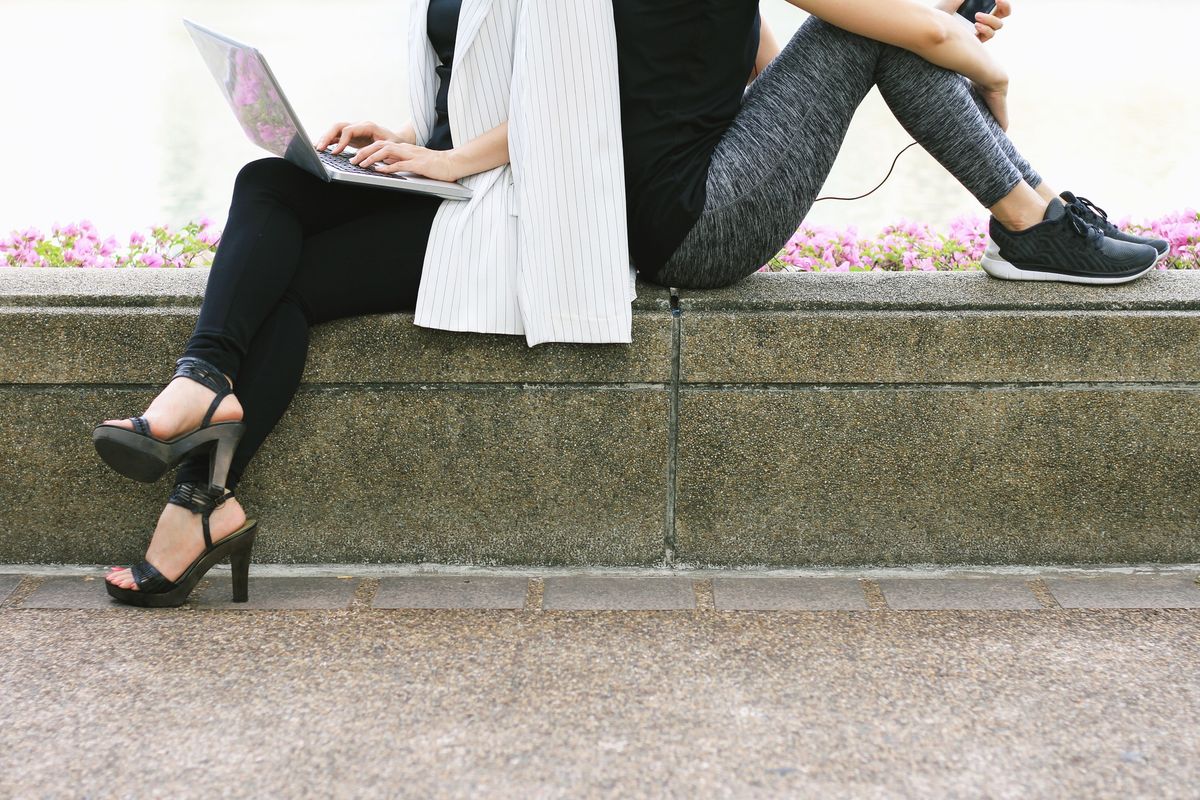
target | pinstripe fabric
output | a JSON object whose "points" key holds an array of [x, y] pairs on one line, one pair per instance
{"points": [[541, 249]]}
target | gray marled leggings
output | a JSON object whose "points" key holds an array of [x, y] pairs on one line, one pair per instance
{"points": [[774, 158]]}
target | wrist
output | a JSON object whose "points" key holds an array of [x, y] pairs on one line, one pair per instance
{"points": [[981, 67], [455, 163], [996, 82]]}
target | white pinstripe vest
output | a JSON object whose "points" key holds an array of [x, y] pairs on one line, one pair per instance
{"points": [[542, 248]]}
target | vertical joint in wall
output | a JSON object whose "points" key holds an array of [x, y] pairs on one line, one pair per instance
{"points": [[672, 430]]}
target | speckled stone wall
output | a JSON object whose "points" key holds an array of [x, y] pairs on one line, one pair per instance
{"points": [[893, 419], [792, 421]]}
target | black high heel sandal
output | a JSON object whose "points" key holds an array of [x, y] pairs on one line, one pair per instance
{"points": [[155, 591], [138, 455]]}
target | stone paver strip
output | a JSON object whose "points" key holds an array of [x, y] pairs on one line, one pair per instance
{"points": [[72, 591], [960, 594], [1126, 591], [451, 591], [282, 593], [602, 593], [788, 594], [7, 584]]}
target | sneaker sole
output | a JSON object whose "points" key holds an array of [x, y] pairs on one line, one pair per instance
{"points": [[997, 267], [994, 252]]}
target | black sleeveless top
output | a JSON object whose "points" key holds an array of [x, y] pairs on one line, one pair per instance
{"points": [[683, 67], [443, 32]]}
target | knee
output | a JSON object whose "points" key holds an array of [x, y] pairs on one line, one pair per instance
{"points": [[814, 27], [263, 173], [825, 43]]}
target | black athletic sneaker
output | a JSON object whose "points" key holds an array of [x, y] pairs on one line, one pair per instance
{"points": [[1064, 247], [1094, 215]]}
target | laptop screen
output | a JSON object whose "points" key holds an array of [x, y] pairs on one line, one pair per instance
{"points": [[250, 90]]}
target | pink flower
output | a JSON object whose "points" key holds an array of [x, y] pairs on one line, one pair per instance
{"points": [[136, 239], [152, 260], [208, 237]]}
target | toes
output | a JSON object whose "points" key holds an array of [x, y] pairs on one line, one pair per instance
{"points": [[122, 578]]}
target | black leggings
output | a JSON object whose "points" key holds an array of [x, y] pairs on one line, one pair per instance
{"points": [[298, 251]]}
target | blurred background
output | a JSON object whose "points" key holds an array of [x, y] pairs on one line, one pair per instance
{"points": [[115, 117]]}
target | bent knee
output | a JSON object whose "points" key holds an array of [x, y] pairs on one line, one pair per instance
{"points": [[262, 172]]}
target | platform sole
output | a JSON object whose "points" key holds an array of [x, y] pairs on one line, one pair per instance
{"points": [[145, 459], [236, 547]]}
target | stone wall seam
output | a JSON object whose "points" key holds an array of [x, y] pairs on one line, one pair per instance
{"points": [[669, 538], [958, 311], [314, 386], [752, 387]]}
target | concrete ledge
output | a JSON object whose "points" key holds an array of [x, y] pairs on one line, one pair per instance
{"points": [[789, 421]]}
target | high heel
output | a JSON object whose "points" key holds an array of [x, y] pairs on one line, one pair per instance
{"points": [[138, 455], [154, 590]]}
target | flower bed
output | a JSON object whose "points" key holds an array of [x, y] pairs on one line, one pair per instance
{"points": [[80, 245], [908, 246]]}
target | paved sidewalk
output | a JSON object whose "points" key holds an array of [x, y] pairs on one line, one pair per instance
{"points": [[360, 586], [1090, 689]]}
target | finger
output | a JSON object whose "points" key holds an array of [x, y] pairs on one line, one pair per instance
{"points": [[1003, 8], [400, 165], [984, 32], [348, 134], [375, 152], [330, 136], [368, 150], [391, 151], [993, 22]]}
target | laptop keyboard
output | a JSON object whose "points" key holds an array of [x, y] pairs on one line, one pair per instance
{"points": [[341, 162]]}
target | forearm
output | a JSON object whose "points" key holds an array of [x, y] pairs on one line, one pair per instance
{"points": [[482, 153], [930, 33]]}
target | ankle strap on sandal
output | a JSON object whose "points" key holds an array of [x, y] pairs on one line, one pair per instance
{"points": [[202, 499], [207, 375]]}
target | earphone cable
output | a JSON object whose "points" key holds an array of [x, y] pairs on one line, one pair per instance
{"points": [[881, 183]]}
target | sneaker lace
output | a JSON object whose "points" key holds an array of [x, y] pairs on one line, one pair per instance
{"points": [[1078, 217], [1091, 211]]}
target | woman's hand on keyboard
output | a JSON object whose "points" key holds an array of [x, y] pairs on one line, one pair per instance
{"points": [[390, 157], [357, 134]]}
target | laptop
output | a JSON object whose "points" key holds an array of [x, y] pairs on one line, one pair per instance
{"points": [[268, 120]]}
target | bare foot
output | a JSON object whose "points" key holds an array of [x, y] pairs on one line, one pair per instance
{"points": [[180, 408], [179, 540]]}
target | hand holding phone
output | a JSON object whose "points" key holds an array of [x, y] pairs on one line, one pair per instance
{"points": [[970, 8]]}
